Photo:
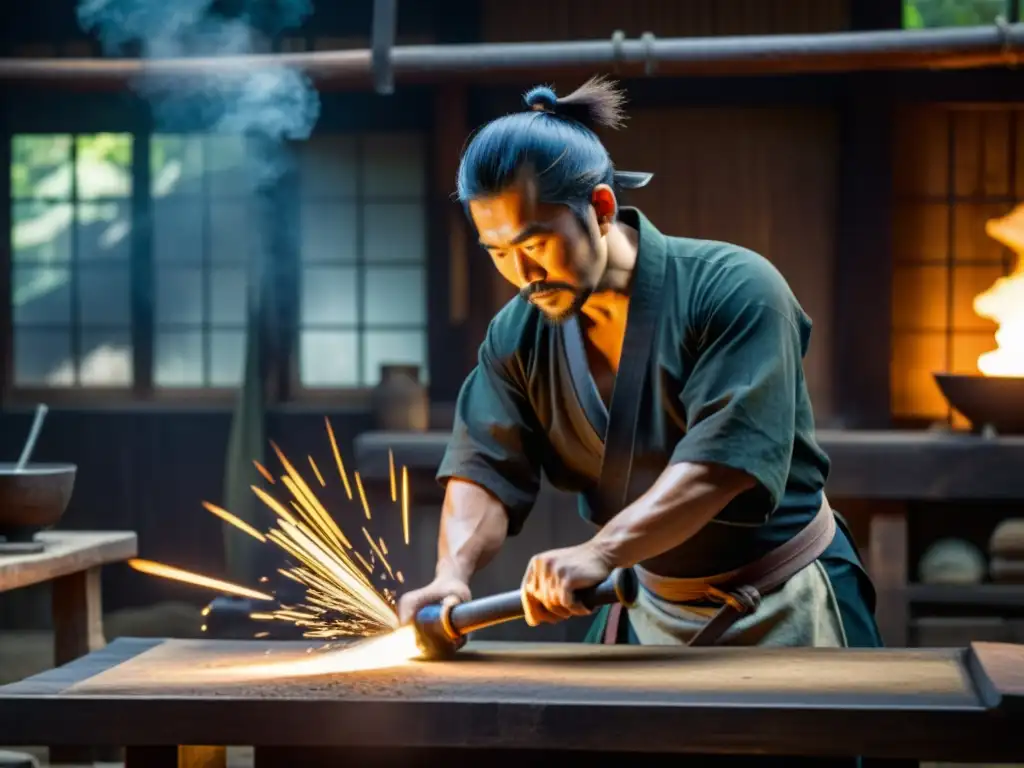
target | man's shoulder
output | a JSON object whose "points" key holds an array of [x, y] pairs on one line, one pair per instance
{"points": [[712, 271]]}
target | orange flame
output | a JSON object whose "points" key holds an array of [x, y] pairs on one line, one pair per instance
{"points": [[1004, 301]]}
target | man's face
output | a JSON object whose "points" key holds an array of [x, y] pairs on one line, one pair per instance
{"points": [[541, 249]]}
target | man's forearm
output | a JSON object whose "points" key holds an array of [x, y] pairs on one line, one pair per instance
{"points": [[473, 528], [683, 500]]}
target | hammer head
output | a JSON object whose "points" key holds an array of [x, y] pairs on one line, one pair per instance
{"points": [[436, 641]]}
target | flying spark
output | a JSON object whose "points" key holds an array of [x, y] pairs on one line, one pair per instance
{"points": [[177, 574], [340, 598]]}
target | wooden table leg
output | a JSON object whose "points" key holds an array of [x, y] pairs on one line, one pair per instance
{"points": [[77, 630], [888, 567], [176, 757]]}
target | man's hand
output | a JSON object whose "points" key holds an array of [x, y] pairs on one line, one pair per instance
{"points": [[552, 578], [444, 589]]}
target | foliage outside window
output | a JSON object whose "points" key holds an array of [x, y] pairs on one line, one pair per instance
{"points": [[71, 229], [922, 14]]}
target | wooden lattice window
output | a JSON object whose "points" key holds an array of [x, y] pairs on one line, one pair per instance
{"points": [[955, 168]]}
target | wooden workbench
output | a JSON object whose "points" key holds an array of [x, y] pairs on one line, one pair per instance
{"points": [[71, 562], [152, 695]]}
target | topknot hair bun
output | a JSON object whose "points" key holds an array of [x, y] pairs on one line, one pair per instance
{"points": [[598, 102], [541, 97]]}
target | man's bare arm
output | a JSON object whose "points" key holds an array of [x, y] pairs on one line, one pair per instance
{"points": [[473, 528], [683, 500], [474, 525]]}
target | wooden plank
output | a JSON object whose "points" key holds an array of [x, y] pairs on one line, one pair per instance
{"points": [[998, 672], [1006, 599], [56, 681], [537, 696], [66, 552], [514, 672]]}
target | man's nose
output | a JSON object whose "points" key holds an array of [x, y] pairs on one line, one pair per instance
{"points": [[529, 270]]}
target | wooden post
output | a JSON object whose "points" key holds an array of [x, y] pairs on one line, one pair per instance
{"points": [[77, 615], [448, 287], [887, 565]]}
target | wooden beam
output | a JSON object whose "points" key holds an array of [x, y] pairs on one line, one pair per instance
{"points": [[874, 50]]}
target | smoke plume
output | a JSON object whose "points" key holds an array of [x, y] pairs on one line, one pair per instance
{"points": [[268, 103]]}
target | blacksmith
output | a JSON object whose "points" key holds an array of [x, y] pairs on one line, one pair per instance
{"points": [[658, 377]]}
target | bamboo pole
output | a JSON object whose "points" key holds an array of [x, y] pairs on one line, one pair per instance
{"points": [[950, 48]]}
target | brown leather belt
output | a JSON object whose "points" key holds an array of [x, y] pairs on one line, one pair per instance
{"points": [[738, 591]]}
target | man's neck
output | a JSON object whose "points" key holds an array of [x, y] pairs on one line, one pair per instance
{"points": [[623, 244], [604, 321]]}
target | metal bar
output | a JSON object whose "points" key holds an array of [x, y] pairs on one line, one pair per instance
{"points": [[385, 27], [949, 48]]}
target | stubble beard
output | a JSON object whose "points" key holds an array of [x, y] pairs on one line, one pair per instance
{"points": [[580, 298]]}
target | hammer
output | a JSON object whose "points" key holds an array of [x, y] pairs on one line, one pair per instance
{"points": [[441, 630]]}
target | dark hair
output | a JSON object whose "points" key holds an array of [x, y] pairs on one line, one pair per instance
{"points": [[554, 139]]}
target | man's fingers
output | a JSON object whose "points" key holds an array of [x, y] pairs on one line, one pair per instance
{"points": [[546, 608], [451, 600], [407, 607], [531, 609], [446, 594], [566, 599], [535, 611]]}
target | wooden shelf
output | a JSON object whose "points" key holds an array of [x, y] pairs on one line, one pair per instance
{"points": [[885, 465], [1001, 597]]}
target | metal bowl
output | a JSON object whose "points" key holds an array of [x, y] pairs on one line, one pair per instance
{"points": [[33, 499], [986, 401]]}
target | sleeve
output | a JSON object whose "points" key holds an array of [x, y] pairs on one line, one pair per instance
{"points": [[740, 398], [494, 438]]}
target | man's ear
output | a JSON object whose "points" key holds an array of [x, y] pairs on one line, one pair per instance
{"points": [[605, 206]]}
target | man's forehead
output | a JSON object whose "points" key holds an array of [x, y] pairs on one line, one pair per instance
{"points": [[504, 218]]}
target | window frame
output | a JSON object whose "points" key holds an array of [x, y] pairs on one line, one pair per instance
{"points": [[13, 392], [948, 112], [285, 385], [359, 395]]}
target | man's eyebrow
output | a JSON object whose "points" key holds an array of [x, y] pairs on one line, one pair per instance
{"points": [[530, 230]]}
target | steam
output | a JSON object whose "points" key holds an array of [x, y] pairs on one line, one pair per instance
{"points": [[270, 103]]}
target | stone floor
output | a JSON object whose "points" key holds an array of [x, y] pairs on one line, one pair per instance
{"points": [[27, 653]]}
